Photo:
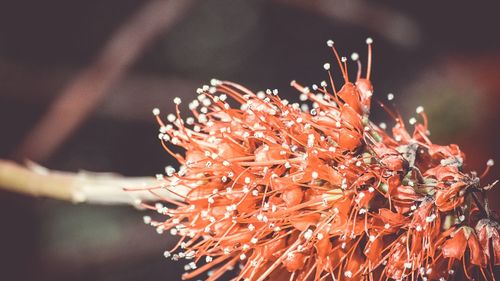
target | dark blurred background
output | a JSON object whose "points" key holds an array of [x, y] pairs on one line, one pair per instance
{"points": [[78, 80]]}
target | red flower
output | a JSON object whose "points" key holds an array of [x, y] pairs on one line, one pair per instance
{"points": [[292, 194], [487, 232], [461, 239]]}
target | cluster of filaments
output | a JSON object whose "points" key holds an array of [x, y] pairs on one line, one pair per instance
{"points": [[288, 192]]}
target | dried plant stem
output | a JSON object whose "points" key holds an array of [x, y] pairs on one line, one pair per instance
{"points": [[82, 187]]}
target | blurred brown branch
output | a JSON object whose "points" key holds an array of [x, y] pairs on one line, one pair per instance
{"points": [[93, 82], [378, 18], [129, 99]]}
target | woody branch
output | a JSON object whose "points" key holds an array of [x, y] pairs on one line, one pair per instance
{"points": [[81, 187]]}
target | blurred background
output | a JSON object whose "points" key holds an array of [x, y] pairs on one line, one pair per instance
{"points": [[78, 80]]}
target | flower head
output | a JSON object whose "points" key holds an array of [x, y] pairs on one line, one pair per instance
{"points": [[316, 194]]}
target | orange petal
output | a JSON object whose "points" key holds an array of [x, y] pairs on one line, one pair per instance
{"points": [[455, 246], [477, 255]]}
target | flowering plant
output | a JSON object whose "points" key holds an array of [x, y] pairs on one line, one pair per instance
{"points": [[288, 193]]}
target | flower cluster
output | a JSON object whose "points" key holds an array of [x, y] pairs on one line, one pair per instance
{"points": [[281, 191]]}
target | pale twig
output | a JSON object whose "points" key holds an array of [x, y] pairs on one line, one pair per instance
{"points": [[82, 187]]}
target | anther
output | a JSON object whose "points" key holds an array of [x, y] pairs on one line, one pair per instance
{"points": [[215, 82], [171, 118]]}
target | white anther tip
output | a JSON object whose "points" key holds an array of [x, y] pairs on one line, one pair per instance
{"points": [[326, 66], [354, 56], [490, 162], [369, 40], [329, 43], [156, 111], [419, 109], [177, 100], [215, 82]]}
